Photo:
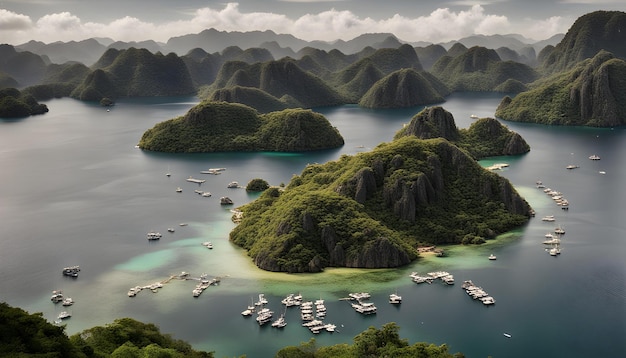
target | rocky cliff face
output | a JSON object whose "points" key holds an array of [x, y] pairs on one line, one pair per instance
{"points": [[369, 211], [433, 122], [591, 33], [590, 95]]}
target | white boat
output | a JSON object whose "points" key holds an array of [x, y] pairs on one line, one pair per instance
{"points": [[213, 171], [488, 300], [183, 224], [492, 257], [554, 251], [594, 157], [170, 229], [359, 295], [206, 194], [64, 315], [57, 296], [552, 241], [559, 230], [233, 184], [208, 244], [506, 335], [394, 298], [549, 218], [448, 279], [153, 235], [68, 301], [473, 116], [280, 322], [572, 166], [179, 190], [194, 180]]}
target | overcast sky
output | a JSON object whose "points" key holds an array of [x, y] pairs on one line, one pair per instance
{"points": [[410, 20]]}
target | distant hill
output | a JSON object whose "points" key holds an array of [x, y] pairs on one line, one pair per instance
{"points": [[480, 69], [222, 127], [135, 73], [373, 209], [24, 67], [282, 79], [86, 51], [593, 93], [405, 88], [590, 33]]}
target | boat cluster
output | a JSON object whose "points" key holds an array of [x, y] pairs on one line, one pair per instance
{"points": [[477, 293], [557, 196], [71, 271], [444, 276], [58, 297], [312, 313], [154, 235], [204, 284], [360, 305]]}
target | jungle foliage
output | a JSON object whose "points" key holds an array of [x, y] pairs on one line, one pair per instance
{"points": [[221, 126], [371, 343], [16, 104]]}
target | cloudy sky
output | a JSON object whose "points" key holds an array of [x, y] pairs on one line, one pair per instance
{"points": [[410, 20]]}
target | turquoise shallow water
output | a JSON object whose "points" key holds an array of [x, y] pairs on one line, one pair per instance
{"points": [[74, 190]]}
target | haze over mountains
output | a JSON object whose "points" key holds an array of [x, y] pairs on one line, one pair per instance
{"points": [[270, 71], [280, 45]]}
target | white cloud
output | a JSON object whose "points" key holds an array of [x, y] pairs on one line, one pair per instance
{"points": [[440, 25], [542, 29], [10, 21]]}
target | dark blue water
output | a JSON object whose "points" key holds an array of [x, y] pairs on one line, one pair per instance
{"points": [[74, 190]]}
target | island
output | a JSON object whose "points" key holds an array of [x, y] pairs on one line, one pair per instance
{"points": [[221, 127], [373, 209]]}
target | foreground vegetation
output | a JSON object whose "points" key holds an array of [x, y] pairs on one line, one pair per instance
{"points": [[30, 335], [373, 342]]}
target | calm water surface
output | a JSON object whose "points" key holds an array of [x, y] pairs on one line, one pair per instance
{"points": [[75, 191]]}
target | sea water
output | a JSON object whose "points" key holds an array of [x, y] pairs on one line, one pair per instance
{"points": [[74, 190]]}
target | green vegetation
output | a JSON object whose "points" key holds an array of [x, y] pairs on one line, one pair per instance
{"points": [[404, 88], [373, 209], [134, 73], [485, 137], [480, 69], [221, 126], [384, 342], [257, 185], [30, 335], [593, 93], [590, 34], [15, 104]]}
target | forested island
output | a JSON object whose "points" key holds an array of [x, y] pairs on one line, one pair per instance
{"points": [[374, 209], [221, 126], [30, 335]]}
